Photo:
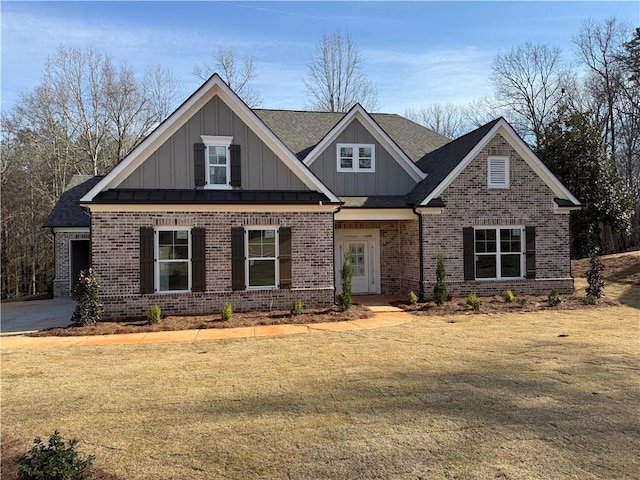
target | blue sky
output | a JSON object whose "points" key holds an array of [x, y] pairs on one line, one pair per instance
{"points": [[417, 53]]}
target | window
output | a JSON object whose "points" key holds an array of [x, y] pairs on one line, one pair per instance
{"points": [[173, 254], [217, 161], [498, 172], [262, 255], [499, 253], [356, 157]]}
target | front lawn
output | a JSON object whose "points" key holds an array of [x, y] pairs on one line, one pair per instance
{"points": [[538, 395]]}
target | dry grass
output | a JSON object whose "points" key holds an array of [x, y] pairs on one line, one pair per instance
{"points": [[541, 395]]}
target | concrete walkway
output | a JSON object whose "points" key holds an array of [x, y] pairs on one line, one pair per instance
{"points": [[384, 316]]}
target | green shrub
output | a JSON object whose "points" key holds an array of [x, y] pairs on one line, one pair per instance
{"points": [[88, 309], [509, 297], [297, 307], [154, 315], [413, 298], [554, 298], [440, 293], [53, 461], [474, 301], [594, 277], [227, 312], [591, 300], [345, 299], [522, 300]]}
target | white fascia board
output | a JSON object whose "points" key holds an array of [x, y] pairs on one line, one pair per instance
{"points": [[375, 214], [519, 146], [212, 87], [358, 112]]}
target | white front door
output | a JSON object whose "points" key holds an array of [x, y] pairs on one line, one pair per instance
{"points": [[364, 246]]}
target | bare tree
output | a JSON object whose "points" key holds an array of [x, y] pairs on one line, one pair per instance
{"points": [[599, 47], [530, 82], [83, 117], [236, 70], [450, 120], [336, 80]]}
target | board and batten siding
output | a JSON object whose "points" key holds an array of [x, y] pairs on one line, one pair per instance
{"points": [[389, 177], [171, 165]]}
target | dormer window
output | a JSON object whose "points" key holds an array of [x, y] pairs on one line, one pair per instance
{"points": [[217, 162], [498, 172], [354, 157]]}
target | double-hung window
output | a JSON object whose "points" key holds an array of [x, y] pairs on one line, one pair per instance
{"points": [[499, 252], [217, 161], [354, 157], [173, 255], [262, 257]]}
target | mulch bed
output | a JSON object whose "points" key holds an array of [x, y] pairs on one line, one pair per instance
{"points": [[497, 304], [622, 268], [248, 319]]}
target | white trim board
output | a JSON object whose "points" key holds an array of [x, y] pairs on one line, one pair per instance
{"points": [[359, 113], [214, 86], [503, 128]]}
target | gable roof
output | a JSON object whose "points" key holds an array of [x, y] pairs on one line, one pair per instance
{"points": [[67, 212], [302, 131], [447, 162], [214, 86], [439, 163]]}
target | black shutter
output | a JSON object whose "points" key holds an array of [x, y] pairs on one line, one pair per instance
{"points": [[237, 258], [198, 163], [530, 236], [285, 257], [198, 263], [146, 260], [234, 160], [469, 253]]}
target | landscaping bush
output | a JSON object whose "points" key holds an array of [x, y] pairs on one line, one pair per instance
{"points": [[227, 312], [88, 309], [53, 461], [509, 297], [591, 300], [297, 307], [474, 301], [522, 301], [440, 293], [413, 298], [345, 299], [595, 278], [154, 315], [554, 298]]}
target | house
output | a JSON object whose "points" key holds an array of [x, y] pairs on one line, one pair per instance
{"points": [[222, 203]]}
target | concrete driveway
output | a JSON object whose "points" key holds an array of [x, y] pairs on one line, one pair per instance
{"points": [[35, 315]]}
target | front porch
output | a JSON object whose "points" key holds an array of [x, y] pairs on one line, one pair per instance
{"points": [[384, 256]]}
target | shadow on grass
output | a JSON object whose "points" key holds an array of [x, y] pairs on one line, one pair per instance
{"points": [[630, 295]]}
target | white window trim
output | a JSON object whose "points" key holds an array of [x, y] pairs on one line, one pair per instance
{"points": [[156, 257], [216, 141], [276, 260], [501, 185], [356, 157], [498, 253]]}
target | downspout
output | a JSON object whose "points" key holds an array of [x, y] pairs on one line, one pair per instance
{"points": [[421, 258], [333, 243]]}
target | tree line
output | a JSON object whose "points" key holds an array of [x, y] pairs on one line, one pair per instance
{"points": [[87, 113]]}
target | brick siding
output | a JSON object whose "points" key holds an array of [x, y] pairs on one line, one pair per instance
{"points": [[62, 282], [527, 202], [116, 261]]}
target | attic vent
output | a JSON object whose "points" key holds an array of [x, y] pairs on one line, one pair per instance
{"points": [[498, 172]]}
